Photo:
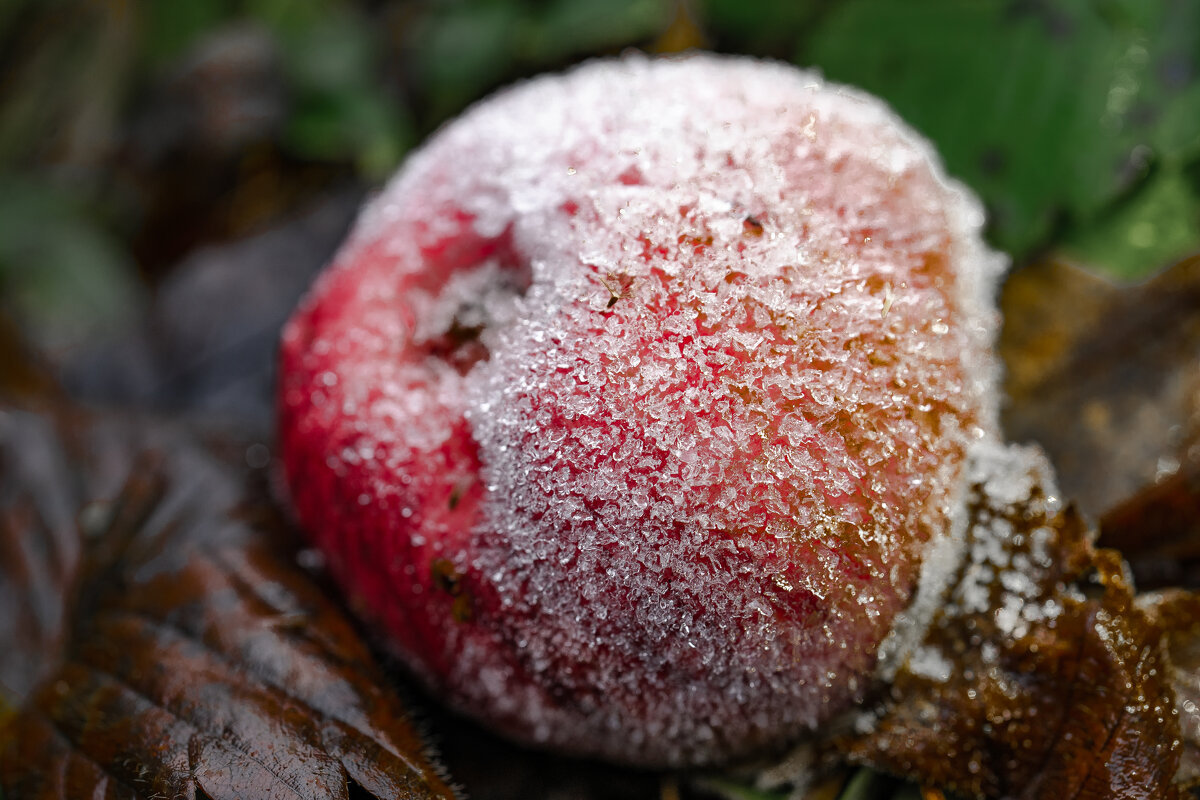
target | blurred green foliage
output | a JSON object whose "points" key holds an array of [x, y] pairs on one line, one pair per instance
{"points": [[66, 274], [1053, 112], [1076, 121], [460, 50]]}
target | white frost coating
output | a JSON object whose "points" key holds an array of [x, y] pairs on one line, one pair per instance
{"points": [[975, 568], [1009, 476], [940, 563], [931, 663], [722, 414], [519, 182]]}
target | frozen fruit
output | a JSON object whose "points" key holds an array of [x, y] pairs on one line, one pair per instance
{"points": [[631, 402]]}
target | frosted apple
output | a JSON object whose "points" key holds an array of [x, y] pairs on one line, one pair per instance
{"points": [[631, 403]]}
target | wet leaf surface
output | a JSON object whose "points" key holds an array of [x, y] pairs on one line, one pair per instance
{"points": [[1040, 676], [187, 655], [1178, 612], [39, 551]]}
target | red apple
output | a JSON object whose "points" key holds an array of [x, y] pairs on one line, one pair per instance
{"points": [[631, 403]]}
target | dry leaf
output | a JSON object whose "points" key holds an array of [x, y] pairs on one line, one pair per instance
{"points": [[1158, 529], [39, 550], [1105, 378], [1178, 612]]}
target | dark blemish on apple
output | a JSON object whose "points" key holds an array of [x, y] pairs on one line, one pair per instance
{"points": [[449, 580], [445, 576]]}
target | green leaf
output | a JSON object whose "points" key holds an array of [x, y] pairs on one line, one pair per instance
{"points": [[572, 27], [341, 110], [1046, 109], [765, 27], [333, 52], [286, 16], [1158, 225], [866, 784], [463, 52], [1178, 131], [170, 28], [358, 124], [64, 277]]}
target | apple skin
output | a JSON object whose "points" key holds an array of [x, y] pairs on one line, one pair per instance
{"points": [[629, 406]]}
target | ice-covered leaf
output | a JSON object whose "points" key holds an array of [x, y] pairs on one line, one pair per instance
{"points": [[1107, 379], [1039, 676], [197, 659]]}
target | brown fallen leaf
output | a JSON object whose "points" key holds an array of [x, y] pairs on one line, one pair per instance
{"points": [[1105, 378], [39, 550], [196, 660], [1178, 612], [1039, 677], [1158, 529]]}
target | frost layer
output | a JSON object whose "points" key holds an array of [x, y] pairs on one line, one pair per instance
{"points": [[633, 399]]}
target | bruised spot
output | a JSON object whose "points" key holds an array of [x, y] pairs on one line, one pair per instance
{"points": [[752, 227]]}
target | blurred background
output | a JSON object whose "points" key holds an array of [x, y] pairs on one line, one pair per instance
{"points": [[138, 138], [173, 173]]}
